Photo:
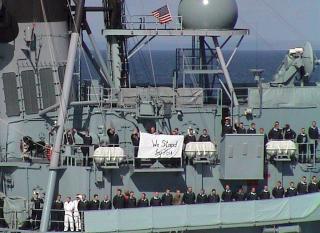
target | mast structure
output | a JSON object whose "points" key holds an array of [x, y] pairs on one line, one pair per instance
{"points": [[64, 100]]}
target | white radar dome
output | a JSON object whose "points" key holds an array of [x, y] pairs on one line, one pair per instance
{"points": [[208, 14]]}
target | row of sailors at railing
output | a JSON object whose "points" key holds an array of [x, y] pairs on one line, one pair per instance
{"points": [[70, 212], [72, 209]]}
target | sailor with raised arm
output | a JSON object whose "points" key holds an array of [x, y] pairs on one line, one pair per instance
{"points": [[76, 214], [68, 215]]}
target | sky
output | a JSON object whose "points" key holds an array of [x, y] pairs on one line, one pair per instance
{"points": [[273, 24]]}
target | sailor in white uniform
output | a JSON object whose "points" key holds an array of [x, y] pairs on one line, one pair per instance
{"points": [[68, 214]]}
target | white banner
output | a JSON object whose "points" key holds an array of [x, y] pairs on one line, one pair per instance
{"points": [[160, 146]]}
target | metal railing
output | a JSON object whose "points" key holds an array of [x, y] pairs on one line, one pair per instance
{"points": [[149, 22]]}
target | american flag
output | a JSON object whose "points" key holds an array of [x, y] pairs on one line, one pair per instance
{"points": [[163, 14]]}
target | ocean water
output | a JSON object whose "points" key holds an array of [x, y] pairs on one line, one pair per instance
{"points": [[144, 72]]}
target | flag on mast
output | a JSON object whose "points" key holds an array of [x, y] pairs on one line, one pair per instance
{"points": [[163, 14]]}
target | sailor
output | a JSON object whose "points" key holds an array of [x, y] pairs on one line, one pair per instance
{"points": [[106, 203], [76, 214], [155, 200], [167, 198], [302, 141], [68, 215], [313, 185], [275, 133], [174, 132], [177, 198], [190, 137], [240, 195], [314, 136], [135, 139], [291, 191], [25, 148], [227, 127], [213, 197], [143, 201], [265, 141], [202, 197], [252, 196], [289, 133], [3, 223], [83, 204], [68, 137], [95, 203], [241, 129], [227, 195], [204, 137], [278, 191], [118, 200], [132, 201], [189, 197], [265, 194], [37, 210], [113, 137], [153, 130], [87, 142], [302, 187], [57, 214], [252, 129]]}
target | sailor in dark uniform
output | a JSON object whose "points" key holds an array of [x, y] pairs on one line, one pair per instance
{"points": [[227, 195], [241, 129], [143, 201], [252, 195], [302, 141], [132, 201], [167, 198], [113, 137], [252, 129], [302, 187], [204, 137], [313, 185], [135, 139], [87, 142], [278, 191], [202, 197], [189, 197], [37, 210], [95, 203], [57, 214], [314, 136], [291, 191], [106, 203], [275, 133], [240, 195], [155, 200], [83, 204], [289, 133], [227, 127], [213, 197], [265, 194], [118, 200], [190, 137]]}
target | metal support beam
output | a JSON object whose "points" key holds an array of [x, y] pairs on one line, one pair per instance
{"points": [[98, 55], [94, 63], [54, 163], [136, 45], [133, 52], [234, 51], [225, 71]]}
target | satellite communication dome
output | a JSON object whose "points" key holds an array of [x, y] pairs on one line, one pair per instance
{"points": [[208, 14]]}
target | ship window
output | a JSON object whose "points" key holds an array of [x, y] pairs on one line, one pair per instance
{"points": [[29, 92], [47, 87], [11, 94]]}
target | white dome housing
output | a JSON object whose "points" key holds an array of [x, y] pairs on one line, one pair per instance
{"points": [[208, 14]]}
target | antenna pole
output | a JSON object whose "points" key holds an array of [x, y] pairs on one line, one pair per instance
{"points": [[64, 100]]}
